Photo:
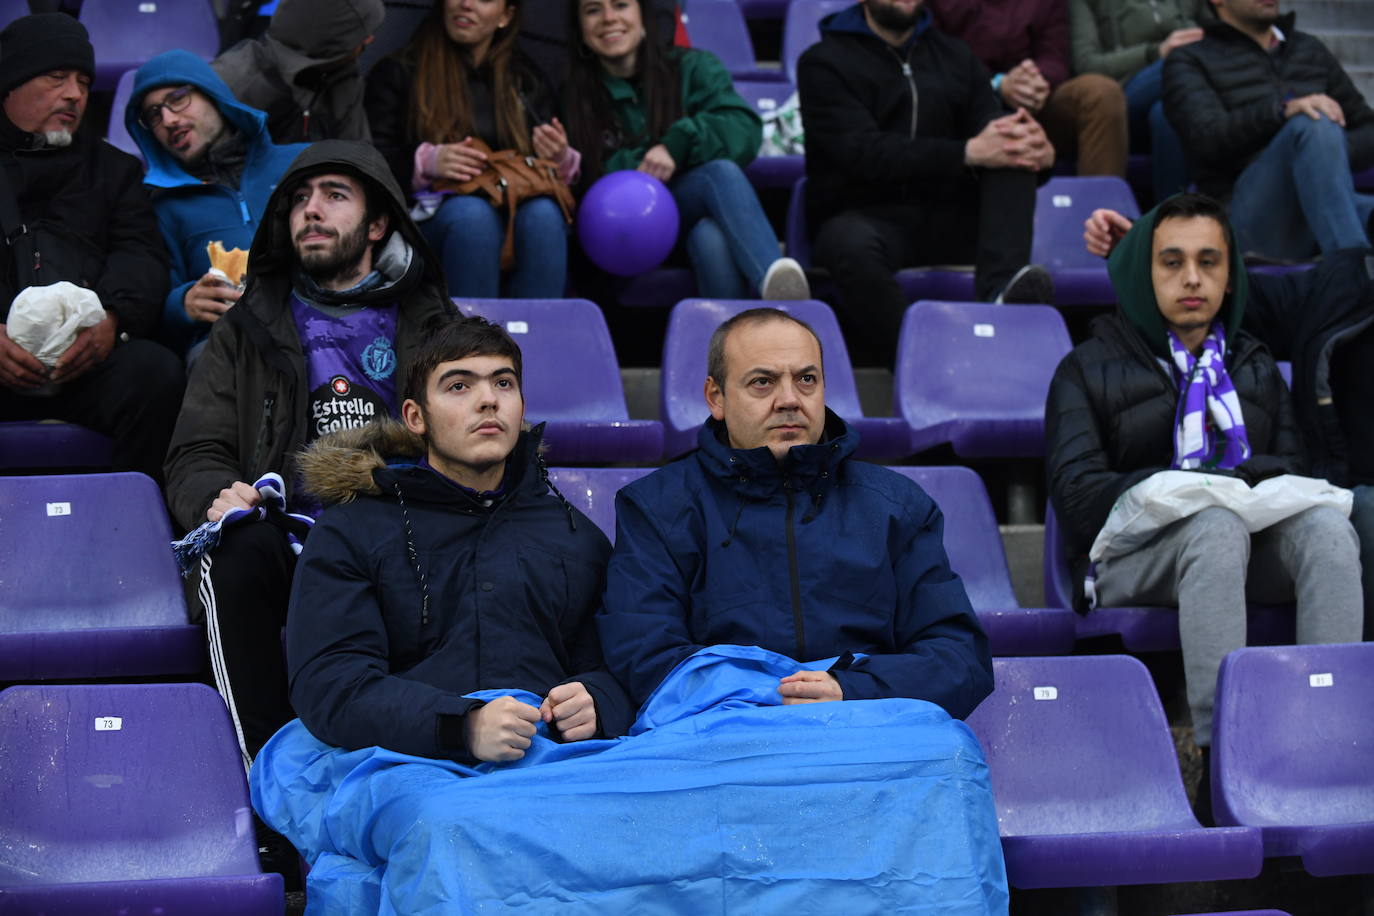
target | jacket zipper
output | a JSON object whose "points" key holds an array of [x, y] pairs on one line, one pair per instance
{"points": [[911, 84], [268, 402], [795, 582]]}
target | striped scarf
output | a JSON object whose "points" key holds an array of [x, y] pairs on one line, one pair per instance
{"points": [[1208, 407]]}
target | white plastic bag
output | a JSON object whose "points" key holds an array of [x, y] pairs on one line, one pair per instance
{"points": [[1168, 496], [45, 319]]}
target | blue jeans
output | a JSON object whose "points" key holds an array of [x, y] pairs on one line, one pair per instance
{"points": [[729, 239], [1297, 197], [1145, 112], [467, 233], [1362, 518]]}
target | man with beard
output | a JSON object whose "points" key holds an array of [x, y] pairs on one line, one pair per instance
{"points": [[72, 209], [1272, 125], [212, 166], [341, 289], [893, 182]]}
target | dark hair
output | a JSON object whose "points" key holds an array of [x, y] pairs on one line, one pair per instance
{"points": [[715, 351], [459, 338], [376, 200], [592, 126], [440, 103], [1189, 205]]}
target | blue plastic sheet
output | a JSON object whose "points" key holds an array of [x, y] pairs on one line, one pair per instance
{"points": [[721, 801]]}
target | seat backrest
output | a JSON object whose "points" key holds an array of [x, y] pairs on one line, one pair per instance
{"points": [[970, 360], [135, 31], [110, 782], [1058, 588], [1079, 744], [1293, 740], [690, 326], [118, 134], [570, 368], [11, 10], [972, 540], [765, 97], [718, 26], [1062, 204], [801, 29], [592, 490], [798, 241], [85, 551]]}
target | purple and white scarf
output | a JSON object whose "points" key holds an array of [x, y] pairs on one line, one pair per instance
{"points": [[1206, 394]]}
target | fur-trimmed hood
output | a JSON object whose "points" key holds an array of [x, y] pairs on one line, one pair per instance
{"points": [[338, 467]]}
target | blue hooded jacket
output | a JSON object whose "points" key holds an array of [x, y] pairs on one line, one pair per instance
{"points": [[814, 557], [190, 213]]}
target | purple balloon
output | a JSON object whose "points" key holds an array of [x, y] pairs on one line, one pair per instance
{"points": [[627, 223]]}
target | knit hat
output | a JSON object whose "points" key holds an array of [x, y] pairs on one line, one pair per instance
{"points": [[41, 43]]}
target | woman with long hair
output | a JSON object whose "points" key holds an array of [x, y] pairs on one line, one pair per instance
{"points": [[463, 77], [674, 113]]}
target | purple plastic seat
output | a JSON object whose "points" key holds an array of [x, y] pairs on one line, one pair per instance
{"points": [[118, 134], [658, 289], [1293, 752], [939, 283], [1061, 206], [718, 26], [684, 372], [1087, 783], [593, 490], [126, 798], [801, 30], [88, 586], [11, 10], [52, 444], [975, 552], [770, 171], [126, 34], [975, 375], [572, 380], [1145, 629]]}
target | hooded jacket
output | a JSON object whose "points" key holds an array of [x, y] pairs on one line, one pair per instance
{"points": [[92, 222], [1120, 38], [192, 213], [1225, 96], [1110, 413], [301, 74], [876, 135], [245, 411], [410, 593], [814, 557]]}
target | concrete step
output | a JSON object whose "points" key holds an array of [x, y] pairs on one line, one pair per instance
{"points": [[1353, 48], [1316, 15], [1363, 78]]}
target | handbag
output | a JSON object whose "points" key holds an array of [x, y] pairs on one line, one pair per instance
{"points": [[510, 179]]}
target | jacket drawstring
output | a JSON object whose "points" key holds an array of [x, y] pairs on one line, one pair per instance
{"points": [[544, 476], [734, 526], [414, 556]]}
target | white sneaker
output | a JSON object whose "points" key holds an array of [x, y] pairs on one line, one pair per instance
{"points": [[785, 281]]}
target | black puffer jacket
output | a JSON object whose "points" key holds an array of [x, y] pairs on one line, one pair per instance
{"points": [[508, 597], [1109, 417], [1225, 96]]}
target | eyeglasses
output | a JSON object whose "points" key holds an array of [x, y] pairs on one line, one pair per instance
{"points": [[174, 101]]}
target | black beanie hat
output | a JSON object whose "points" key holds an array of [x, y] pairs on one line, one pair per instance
{"points": [[41, 43]]}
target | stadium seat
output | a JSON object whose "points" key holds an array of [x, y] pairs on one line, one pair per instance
{"points": [[718, 26], [403, 17], [592, 490], [46, 444], [1293, 752], [572, 380], [126, 798], [1144, 629], [126, 34], [1086, 780], [770, 171], [801, 30], [659, 288], [118, 134], [684, 372], [975, 552], [939, 283], [764, 9], [11, 10], [1061, 207], [976, 375], [90, 588]]}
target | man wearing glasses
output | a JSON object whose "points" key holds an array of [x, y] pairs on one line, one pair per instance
{"points": [[212, 166]]}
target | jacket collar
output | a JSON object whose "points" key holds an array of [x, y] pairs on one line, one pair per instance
{"points": [[754, 472], [1215, 28]]}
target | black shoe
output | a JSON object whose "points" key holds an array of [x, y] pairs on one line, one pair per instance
{"points": [[1030, 284]]}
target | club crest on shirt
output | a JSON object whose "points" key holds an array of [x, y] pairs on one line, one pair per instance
{"points": [[379, 359]]}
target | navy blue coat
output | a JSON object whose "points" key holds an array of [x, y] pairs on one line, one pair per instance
{"points": [[512, 590], [815, 557]]}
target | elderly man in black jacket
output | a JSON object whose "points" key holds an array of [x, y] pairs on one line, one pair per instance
{"points": [[1172, 382], [1270, 120], [79, 213]]}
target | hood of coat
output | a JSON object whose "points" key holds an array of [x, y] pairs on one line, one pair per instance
{"points": [[319, 32], [182, 68], [273, 254], [852, 21], [1130, 269]]}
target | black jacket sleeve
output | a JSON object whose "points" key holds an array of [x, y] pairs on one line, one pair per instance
{"points": [[1211, 132], [135, 280]]}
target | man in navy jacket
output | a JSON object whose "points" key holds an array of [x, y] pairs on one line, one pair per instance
{"points": [[770, 534]]}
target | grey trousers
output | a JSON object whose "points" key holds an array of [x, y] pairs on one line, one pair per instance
{"points": [[1209, 565]]}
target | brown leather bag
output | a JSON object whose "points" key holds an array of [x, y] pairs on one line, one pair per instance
{"points": [[510, 179]]}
